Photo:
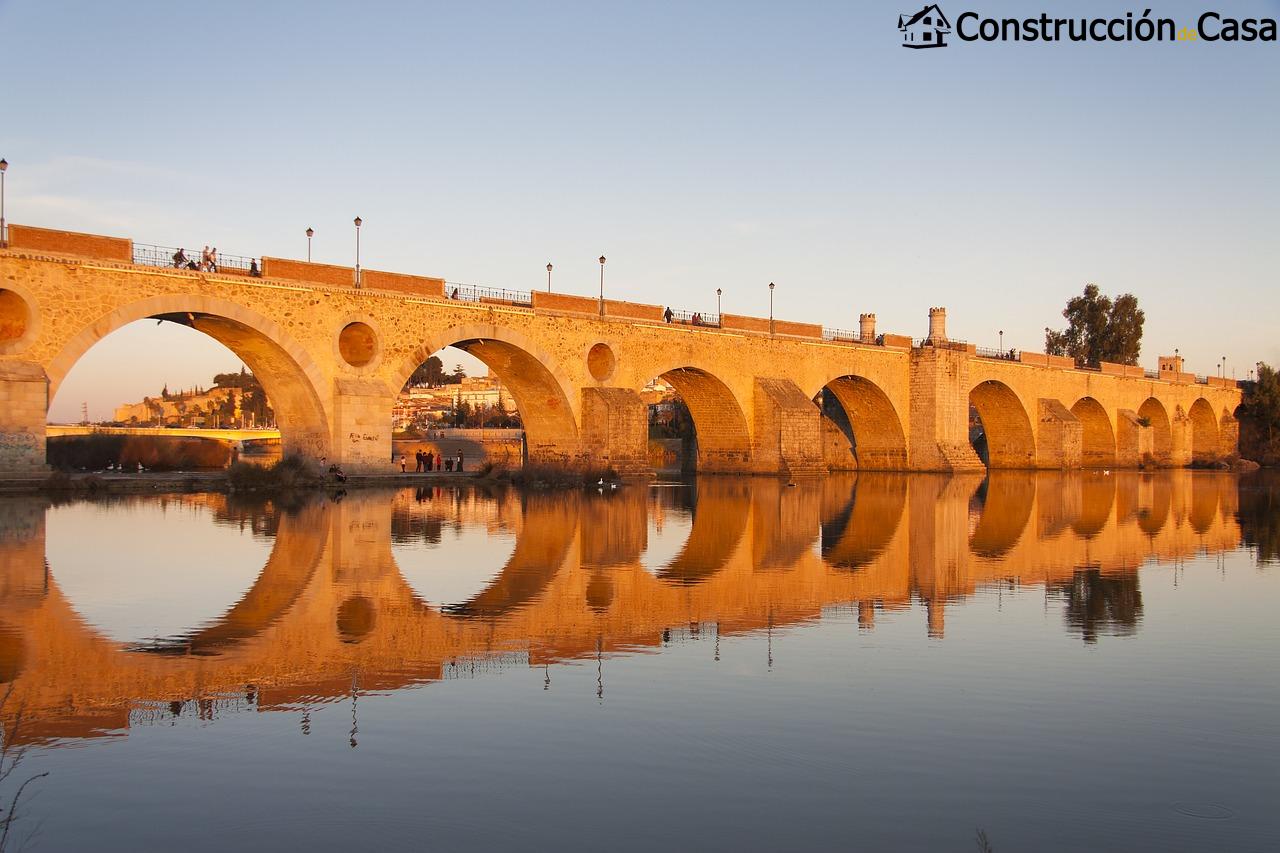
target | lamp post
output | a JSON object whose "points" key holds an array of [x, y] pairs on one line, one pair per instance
{"points": [[1002, 341], [718, 292], [1224, 367], [359, 222], [4, 238], [310, 233], [602, 285], [548, 278], [770, 308]]}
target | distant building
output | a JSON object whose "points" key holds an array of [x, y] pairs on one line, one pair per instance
{"points": [[422, 405]]}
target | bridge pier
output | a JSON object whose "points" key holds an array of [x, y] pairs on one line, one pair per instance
{"points": [[361, 428], [1134, 442], [787, 433], [1228, 436], [24, 400], [615, 430], [938, 439], [1060, 437]]}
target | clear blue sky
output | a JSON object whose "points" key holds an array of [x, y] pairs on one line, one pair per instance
{"points": [[697, 145]]}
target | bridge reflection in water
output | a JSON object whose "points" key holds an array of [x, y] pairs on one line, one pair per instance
{"points": [[590, 574]]}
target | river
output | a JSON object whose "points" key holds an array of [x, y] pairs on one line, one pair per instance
{"points": [[1082, 661]]}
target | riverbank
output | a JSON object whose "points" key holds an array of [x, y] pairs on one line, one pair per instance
{"points": [[149, 482]]}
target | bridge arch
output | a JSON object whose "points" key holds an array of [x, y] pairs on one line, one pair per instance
{"points": [[1153, 413], [537, 383], [1098, 439], [719, 420], [1204, 432], [877, 438], [1006, 425], [291, 379]]}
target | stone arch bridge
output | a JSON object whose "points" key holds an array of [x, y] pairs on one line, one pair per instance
{"points": [[332, 357]]}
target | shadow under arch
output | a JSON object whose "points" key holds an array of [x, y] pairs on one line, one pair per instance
{"points": [[533, 376], [719, 507], [1005, 513], [300, 541], [863, 529], [1098, 439], [723, 440], [878, 441], [1155, 414], [1010, 441], [293, 383], [548, 529], [1204, 432]]}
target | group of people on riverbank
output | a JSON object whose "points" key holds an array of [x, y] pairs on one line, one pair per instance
{"points": [[427, 461]]}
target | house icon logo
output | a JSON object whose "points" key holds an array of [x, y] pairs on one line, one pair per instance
{"points": [[926, 28]]}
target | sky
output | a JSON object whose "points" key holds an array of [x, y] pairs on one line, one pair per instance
{"points": [[696, 145]]}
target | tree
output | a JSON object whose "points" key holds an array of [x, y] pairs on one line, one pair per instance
{"points": [[429, 373], [228, 409], [1099, 329]]}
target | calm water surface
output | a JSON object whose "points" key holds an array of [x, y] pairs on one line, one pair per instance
{"points": [[1069, 662]]}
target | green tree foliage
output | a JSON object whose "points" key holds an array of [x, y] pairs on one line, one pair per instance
{"points": [[429, 373], [243, 379], [1262, 399], [1099, 329]]}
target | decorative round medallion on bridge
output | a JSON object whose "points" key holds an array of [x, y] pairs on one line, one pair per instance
{"points": [[15, 317], [601, 362], [358, 344]]}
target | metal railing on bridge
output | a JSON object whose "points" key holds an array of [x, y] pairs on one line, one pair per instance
{"points": [[842, 335], [494, 295], [1002, 355], [146, 254], [695, 318]]}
